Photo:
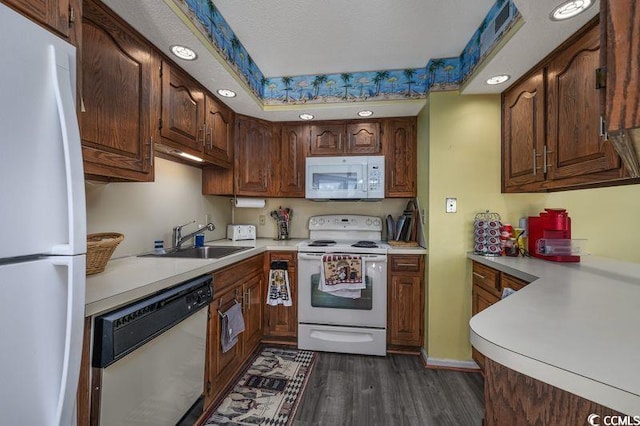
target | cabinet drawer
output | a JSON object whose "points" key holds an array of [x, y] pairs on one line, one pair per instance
{"points": [[236, 273], [487, 278], [408, 263], [509, 281]]}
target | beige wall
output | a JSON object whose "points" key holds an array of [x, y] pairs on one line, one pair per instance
{"points": [[145, 212], [303, 209], [459, 138]]}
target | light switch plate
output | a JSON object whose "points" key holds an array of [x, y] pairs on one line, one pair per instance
{"points": [[451, 205]]}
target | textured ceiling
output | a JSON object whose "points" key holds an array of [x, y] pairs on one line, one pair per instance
{"points": [[345, 37], [320, 37]]}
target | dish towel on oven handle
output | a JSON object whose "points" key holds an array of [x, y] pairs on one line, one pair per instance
{"points": [[232, 324], [342, 272], [279, 290]]}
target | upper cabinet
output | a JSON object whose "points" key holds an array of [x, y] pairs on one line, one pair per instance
{"points": [[550, 128], [182, 124], [401, 163], [56, 15], [218, 138], [356, 138], [294, 138], [120, 88], [254, 157], [523, 131]]}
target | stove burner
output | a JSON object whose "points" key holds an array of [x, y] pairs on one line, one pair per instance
{"points": [[365, 244], [321, 243]]}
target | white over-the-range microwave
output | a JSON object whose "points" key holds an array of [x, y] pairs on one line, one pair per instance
{"points": [[333, 178]]}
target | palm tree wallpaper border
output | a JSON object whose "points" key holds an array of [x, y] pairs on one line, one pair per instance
{"points": [[438, 74]]}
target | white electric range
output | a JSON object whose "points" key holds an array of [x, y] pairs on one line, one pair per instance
{"points": [[348, 321]]}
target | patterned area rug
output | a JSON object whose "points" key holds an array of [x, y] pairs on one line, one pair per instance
{"points": [[269, 391]]}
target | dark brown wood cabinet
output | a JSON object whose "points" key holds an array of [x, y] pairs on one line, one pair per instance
{"points": [[401, 163], [182, 122], [218, 132], [254, 157], [523, 132], [487, 287], [290, 162], [120, 87], [575, 147], [239, 283], [405, 311], [56, 15], [551, 123], [281, 322], [339, 138]]}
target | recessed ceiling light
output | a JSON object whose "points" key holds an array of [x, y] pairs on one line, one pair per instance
{"points": [[227, 93], [569, 9], [183, 52], [365, 113], [306, 116], [497, 79], [190, 157]]}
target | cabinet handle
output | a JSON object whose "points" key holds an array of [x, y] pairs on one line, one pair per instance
{"points": [[409, 264], [151, 152], [603, 129], [479, 276], [535, 162], [204, 136], [545, 162], [211, 138], [249, 299]]}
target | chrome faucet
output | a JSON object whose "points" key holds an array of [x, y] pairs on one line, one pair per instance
{"points": [[178, 239]]}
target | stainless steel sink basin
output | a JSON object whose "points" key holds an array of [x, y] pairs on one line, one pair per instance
{"points": [[206, 252]]}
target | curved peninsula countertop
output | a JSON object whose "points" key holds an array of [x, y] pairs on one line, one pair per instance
{"points": [[576, 327]]}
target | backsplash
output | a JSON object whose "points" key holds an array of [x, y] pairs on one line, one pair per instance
{"points": [[147, 211], [303, 209]]}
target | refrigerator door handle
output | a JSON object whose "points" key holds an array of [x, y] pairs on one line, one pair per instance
{"points": [[65, 412], [60, 70]]}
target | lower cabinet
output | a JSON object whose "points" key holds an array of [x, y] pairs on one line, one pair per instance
{"points": [[281, 322], [405, 302], [488, 284], [238, 283]]}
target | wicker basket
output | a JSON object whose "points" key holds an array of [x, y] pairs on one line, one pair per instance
{"points": [[100, 247], [394, 243]]}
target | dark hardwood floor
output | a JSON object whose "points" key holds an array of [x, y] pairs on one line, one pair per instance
{"points": [[394, 390]]}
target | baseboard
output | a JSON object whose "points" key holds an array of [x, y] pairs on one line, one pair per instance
{"points": [[450, 364]]}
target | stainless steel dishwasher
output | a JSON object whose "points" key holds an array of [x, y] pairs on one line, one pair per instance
{"points": [[148, 357]]}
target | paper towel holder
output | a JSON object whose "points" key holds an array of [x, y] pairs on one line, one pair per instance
{"points": [[248, 203]]}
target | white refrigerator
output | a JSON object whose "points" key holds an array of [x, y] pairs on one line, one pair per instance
{"points": [[43, 226]]}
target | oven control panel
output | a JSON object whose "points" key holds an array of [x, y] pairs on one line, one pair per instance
{"points": [[348, 222]]}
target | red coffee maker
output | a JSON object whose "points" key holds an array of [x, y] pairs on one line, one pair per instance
{"points": [[551, 224]]}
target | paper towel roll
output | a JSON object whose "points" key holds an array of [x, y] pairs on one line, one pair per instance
{"points": [[249, 203]]}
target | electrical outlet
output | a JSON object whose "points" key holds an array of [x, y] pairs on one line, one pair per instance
{"points": [[451, 205], [423, 216], [262, 219]]}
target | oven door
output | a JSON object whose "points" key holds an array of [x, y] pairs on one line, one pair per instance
{"points": [[317, 307], [336, 178]]}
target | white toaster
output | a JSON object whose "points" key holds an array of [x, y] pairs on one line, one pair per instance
{"points": [[241, 232]]}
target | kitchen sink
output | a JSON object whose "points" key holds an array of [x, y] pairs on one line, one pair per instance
{"points": [[205, 252]]}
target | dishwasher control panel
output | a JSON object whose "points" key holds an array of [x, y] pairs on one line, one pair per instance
{"points": [[125, 329]]}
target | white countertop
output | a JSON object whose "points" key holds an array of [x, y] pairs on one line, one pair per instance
{"points": [[576, 327], [130, 278]]}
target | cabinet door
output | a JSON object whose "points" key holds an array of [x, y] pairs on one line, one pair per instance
{"points": [[253, 302], [363, 139], [623, 79], [327, 139], [574, 142], [401, 161], [523, 134], [52, 13], [182, 124], [218, 142], [119, 92], [291, 165], [221, 366], [405, 300], [280, 320], [253, 160]]}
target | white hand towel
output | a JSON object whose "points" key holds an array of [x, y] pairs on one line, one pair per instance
{"points": [[279, 290]]}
